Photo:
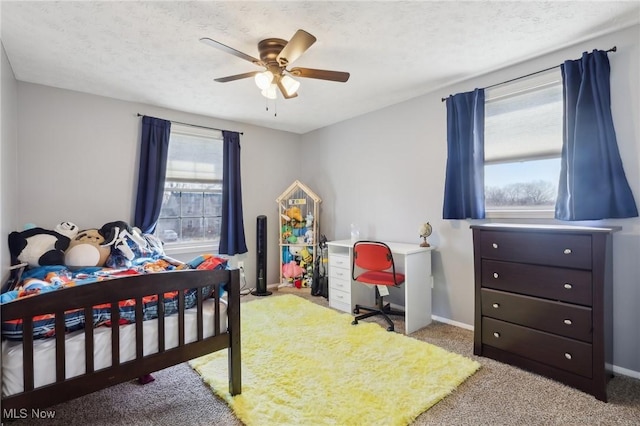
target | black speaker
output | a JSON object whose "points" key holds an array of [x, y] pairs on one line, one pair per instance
{"points": [[261, 257]]}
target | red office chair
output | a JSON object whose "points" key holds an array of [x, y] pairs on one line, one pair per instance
{"points": [[373, 265]]}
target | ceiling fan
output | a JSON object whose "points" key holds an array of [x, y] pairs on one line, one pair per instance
{"points": [[275, 56]]}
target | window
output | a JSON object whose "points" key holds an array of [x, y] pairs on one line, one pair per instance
{"points": [[523, 145], [192, 202]]}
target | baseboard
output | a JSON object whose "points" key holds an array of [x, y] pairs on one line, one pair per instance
{"points": [[621, 371], [451, 322]]}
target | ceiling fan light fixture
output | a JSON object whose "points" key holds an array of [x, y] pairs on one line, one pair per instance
{"points": [[290, 85], [275, 56], [264, 79], [270, 92]]}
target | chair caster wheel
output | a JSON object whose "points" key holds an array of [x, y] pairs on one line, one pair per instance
{"points": [[356, 311], [354, 322], [389, 328]]}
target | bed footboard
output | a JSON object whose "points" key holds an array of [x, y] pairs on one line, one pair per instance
{"points": [[207, 338]]}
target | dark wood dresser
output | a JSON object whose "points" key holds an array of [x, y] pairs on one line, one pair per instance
{"points": [[543, 300]]}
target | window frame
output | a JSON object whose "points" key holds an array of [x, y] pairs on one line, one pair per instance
{"points": [[208, 245], [527, 84]]}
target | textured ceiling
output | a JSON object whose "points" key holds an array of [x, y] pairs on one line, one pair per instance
{"points": [[149, 51]]}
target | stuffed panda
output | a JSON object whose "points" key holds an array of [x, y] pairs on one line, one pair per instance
{"points": [[39, 246]]}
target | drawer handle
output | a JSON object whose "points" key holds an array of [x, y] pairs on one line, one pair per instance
{"points": [[568, 322], [567, 355], [496, 305], [567, 251], [496, 334], [568, 286], [495, 275], [494, 245]]}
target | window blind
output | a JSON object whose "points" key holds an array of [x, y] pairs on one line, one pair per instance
{"points": [[523, 119]]}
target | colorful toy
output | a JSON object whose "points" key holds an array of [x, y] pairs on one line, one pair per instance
{"points": [[294, 213], [306, 256], [287, 231], [286, 255], [292, 270]]}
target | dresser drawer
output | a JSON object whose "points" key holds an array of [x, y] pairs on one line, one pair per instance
{"points": [[566, 250], [567, 285], [560, 352], [339, 261], [555, 317]]}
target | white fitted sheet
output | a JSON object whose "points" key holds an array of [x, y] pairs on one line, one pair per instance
{"points": [[45, 353]]}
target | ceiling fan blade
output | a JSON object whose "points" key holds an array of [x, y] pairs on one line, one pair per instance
{"points": [[230, 50], [236, 77], [284, 91], [320, 74], [298, 44]]}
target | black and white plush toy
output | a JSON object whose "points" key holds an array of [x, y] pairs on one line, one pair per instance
{"points": [[118, 234], [39, 246]]}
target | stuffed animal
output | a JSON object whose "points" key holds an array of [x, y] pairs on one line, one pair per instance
{"points": [[286, 232], [120, 236], [295, 251], [295, 216], [292, 270], [286, 255], [38, 246], [305, 256], [308, 236], [86, 249], [294, 213], [67, 229]]}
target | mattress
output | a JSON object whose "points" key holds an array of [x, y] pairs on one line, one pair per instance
{"points": [[45, 353]]}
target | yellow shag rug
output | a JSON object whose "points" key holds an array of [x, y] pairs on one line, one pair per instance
{"points": [[304, 364]]}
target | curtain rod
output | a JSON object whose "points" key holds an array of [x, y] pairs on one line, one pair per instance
{"points": [[613, 49], [194, 125]]}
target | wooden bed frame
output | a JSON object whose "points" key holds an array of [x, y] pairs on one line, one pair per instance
{"points": [[112, 291]]}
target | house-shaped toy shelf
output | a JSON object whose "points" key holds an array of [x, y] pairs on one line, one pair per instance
{"points": [[299, 209]]}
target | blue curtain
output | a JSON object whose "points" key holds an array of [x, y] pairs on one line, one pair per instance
{"points": [[592, 181], [232, 239], [151, 174], [464, 184]]}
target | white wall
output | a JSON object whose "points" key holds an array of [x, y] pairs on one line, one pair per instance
{"points": [[8, 159], [385, 171], [78, 160]]}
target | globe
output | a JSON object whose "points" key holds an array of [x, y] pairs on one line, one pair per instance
{"points": [[425, 230]]}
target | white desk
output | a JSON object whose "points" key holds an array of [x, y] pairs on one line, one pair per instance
{"points": [[415, 294]]}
